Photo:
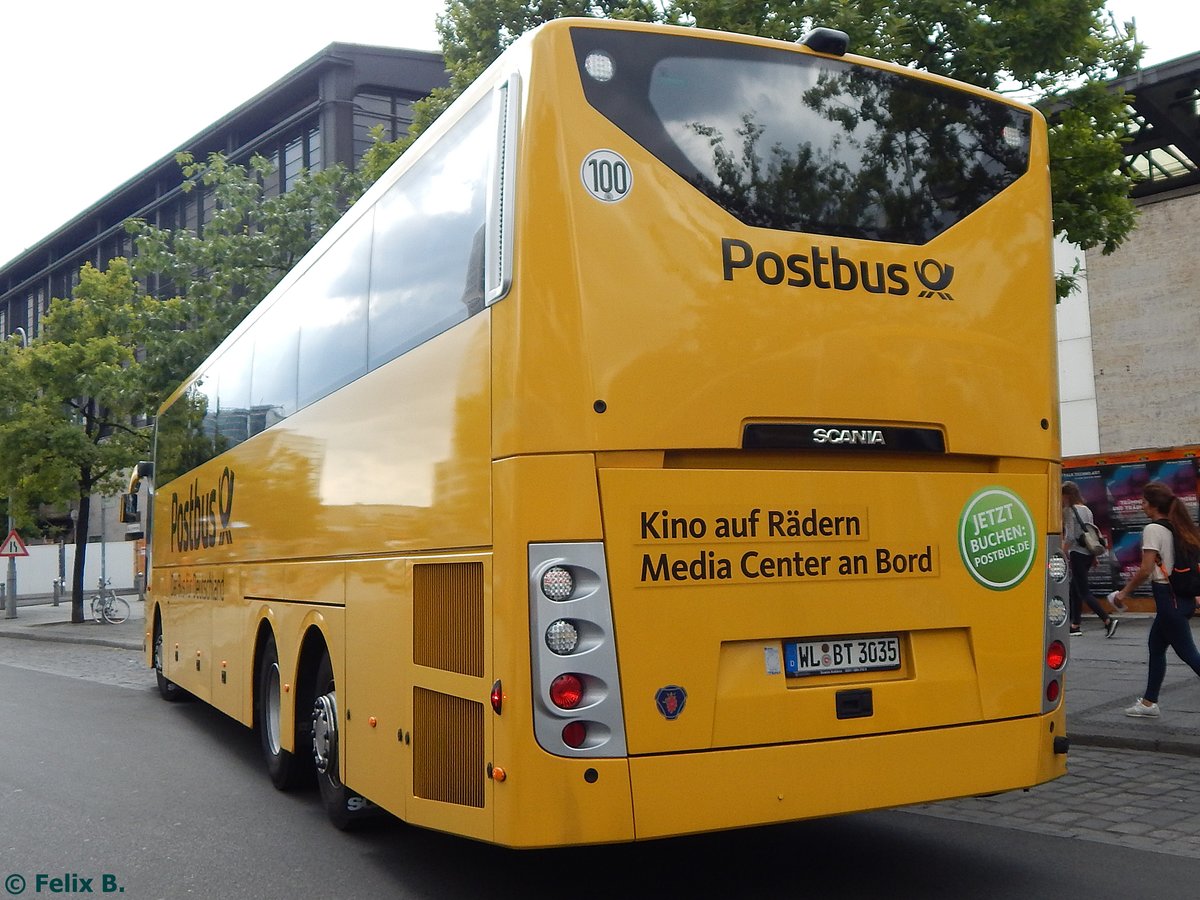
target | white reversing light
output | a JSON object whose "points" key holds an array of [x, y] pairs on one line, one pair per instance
{"points": [[1056, 612], [1058, 568], [600, 66], [562, 637], [558, 583]]}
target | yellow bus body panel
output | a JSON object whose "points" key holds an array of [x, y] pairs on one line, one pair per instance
{"points": [[714, 629], [682, 357], [394, 518], [688, 793]]}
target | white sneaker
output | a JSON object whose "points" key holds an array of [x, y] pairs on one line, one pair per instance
{"points": [[1139, 708]]}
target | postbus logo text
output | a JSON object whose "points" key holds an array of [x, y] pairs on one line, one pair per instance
{"points": [[201, 519], [831, 269]]}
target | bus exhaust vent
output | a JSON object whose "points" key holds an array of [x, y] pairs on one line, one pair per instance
{"points": [[448, 617], [448, 748]]}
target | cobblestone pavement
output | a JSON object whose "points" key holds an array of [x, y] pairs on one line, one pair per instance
{"points": [[1141, 799], [104, 665], [1136, 798]]}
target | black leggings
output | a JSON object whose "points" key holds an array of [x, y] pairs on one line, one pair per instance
{"points": [[1170, 629], [1081, 563]]}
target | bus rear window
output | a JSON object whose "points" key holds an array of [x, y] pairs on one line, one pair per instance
{"points": [[782, 139]]}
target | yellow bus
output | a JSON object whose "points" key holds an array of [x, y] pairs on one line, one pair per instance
{"points": [[667, 443]]}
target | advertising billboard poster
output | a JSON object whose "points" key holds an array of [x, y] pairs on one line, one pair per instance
{"points": [[1112, 489]]}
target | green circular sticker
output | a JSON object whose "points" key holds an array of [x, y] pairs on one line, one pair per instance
{"points": [[997, 539]]}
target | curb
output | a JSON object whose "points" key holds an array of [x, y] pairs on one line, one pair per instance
{"points": [[60, 638], [1133, 742]]}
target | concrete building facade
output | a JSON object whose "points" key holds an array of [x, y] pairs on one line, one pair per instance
{"points": [[1129, 342]]}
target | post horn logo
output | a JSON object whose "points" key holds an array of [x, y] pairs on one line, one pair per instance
{"points": [[936, 277]]}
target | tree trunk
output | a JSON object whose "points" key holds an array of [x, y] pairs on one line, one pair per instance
{"points": [[81, 542]]}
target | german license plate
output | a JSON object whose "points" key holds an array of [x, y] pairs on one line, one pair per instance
{"points": [[834, 656]]}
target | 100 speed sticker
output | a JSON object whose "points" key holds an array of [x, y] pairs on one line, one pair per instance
{"points": [[606, 175]]}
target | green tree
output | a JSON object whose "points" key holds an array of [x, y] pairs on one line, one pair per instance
{"points": [[71, 398], [109, 356], [1055, 53]]}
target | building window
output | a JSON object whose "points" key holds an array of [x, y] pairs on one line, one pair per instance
{"points": [[315, 161], [270, 181], [189, 218], [392, 111], [293, 162], [294, 151], [208, 208]]}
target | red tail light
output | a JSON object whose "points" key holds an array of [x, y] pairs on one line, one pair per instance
{"points": [[566, 691], [1052, 691], [1056, 655], [574, 734]]}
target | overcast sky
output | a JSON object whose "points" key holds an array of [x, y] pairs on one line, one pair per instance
{"points": [[91, 94]]}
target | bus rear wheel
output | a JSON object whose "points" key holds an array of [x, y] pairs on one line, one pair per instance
{"points": [[287, 769], [345, 808]]}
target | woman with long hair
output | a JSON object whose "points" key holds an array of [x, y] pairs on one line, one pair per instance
{"points": [[1076, 514], [1169, 522]]}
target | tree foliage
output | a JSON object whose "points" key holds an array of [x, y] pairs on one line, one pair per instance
{"points": [[73, 396], [250, 242], [1058, 54], [105, 359]]}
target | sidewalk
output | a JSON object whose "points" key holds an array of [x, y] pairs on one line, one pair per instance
{"points": [[40, 620], [1106, 675], [1103, 677]]}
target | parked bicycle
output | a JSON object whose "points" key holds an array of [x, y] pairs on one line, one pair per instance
{"points": [[107, 606]]}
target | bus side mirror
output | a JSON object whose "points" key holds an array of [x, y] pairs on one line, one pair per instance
{"points": [[129, 509]]}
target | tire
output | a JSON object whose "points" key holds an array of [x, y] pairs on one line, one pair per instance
{"points": [[167, 689], [346, 808], [98, 609], [117, 610], [287, 769]]}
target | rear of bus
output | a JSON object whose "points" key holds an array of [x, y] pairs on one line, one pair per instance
{"points": [[775, 441]]}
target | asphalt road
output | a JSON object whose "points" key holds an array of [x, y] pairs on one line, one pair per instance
{"points": [[99, 777]]}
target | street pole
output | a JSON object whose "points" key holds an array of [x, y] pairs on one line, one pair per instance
{"points": [[10, 596], [103, 546]]}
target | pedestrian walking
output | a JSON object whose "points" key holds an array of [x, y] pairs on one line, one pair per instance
{"points": [[1169, 522], [1076, 515]]}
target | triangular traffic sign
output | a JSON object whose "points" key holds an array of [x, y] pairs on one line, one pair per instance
{"points": [[13, 545]]}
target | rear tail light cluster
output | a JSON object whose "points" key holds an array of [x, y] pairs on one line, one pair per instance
{"points": [[1055, 658], [577, 707]]}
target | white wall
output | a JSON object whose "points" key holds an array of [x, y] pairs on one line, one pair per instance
{"points": [[37, 571], [1078, 410]]}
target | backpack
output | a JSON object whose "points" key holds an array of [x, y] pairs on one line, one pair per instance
{"points": [[1185, 577]]}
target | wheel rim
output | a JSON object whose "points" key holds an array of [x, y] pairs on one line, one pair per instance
{"points": [[158, 657], [324, 721], [273, 706]]}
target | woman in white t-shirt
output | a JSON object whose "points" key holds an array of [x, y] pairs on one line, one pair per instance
{"points": [[1169, 519]]}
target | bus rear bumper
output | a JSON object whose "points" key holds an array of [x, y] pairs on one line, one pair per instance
{"points": [[697, 792]]}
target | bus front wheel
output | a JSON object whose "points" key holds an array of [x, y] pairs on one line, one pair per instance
{"points": [[345, 808], [167, 689]]}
